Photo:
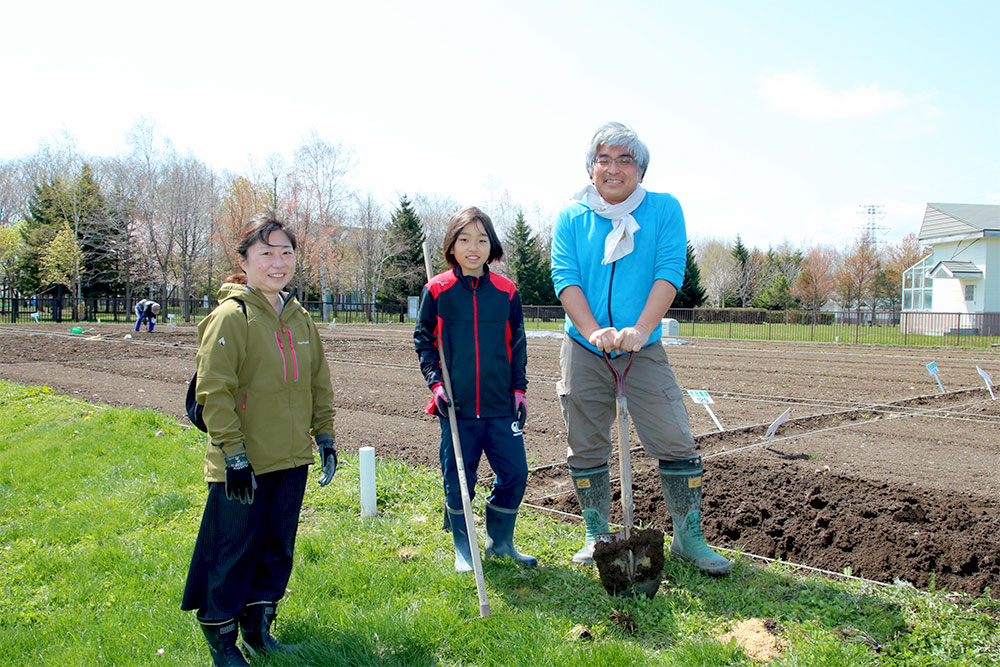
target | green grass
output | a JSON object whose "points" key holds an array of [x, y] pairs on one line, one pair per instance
{"points": [[99, 509]]}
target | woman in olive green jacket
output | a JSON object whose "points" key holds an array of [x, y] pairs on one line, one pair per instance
{"points": [[265, 386]]}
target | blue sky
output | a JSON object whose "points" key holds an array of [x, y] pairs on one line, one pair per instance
{"points": [[773, 120]]}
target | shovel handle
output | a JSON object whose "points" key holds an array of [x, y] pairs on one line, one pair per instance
{"points": [[619, 377], [624, 452]]}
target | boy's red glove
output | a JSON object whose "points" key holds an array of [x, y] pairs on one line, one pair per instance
{"points": [[439, 402], [521, 403]]}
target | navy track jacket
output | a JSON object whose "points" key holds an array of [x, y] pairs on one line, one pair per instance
{"points": [[482, 326]]}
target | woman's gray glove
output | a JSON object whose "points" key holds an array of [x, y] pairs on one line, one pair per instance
{"points": [[327, 457], [240, 480]]}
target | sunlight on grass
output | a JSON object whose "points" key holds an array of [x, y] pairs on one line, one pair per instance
{"points": [[99, 508]]}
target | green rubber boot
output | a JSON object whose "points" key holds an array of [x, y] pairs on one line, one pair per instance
{"points": [[681, 482], [500, 535], [593, 492]]}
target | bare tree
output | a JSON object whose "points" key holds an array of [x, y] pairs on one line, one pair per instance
{"points": [[435, 211], [15, 192], [857, 274], [716, 265], [817, 283], [241, 199], [186, 203], [319, 180], [371, 245], [121, 184], [748, 269], [145, 163]]}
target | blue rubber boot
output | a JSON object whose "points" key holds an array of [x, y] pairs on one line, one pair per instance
{"points": [[138, 323], [500, 535], [463, 555], [593, 492], [681, 481]]}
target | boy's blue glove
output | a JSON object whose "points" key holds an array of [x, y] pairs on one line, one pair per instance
{"points": [[327, 457], [240, 480]]}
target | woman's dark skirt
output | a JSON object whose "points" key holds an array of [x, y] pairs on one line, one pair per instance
{"points": [[243, 553]]}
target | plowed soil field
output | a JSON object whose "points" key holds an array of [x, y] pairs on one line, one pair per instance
{"points": [[875, 470]]}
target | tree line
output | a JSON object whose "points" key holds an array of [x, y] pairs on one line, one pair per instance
{"points": [[866, 275], [152, 222]]}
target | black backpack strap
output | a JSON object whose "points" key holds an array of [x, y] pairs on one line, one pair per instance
{"points": [[193, 408]]}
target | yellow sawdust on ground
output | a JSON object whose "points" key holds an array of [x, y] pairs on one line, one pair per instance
{"points": [[755, 639]]}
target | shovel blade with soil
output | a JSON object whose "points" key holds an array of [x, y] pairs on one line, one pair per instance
{"points": [[629, 562], [633, 566]]}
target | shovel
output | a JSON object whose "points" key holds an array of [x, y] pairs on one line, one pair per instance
{"points": [[628, 561]]}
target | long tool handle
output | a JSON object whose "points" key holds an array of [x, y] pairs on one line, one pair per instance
{"points": [[624, 454], [470, 524], [625, 463]]}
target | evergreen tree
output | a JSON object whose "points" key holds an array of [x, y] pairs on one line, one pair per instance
{"points": [[747, 268], [777, 296], [97, 235], [691, 294], [43, 222], [405, 269], [80, 206], [527, 267]]}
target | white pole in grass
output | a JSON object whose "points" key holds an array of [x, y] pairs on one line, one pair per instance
{"points": [[366, 456]]}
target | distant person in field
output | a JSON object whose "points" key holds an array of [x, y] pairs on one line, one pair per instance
{"points": [[265, 386], [477, 316], [618, 257], [145, 313]]}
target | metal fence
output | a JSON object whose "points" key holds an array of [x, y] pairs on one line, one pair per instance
{"points": [[853, 326], [71, 309]]}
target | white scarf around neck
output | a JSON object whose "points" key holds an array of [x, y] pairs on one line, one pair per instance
{"points": [[619, 242]]}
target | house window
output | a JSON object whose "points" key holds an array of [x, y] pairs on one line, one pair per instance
{"points": [[970, 292]]}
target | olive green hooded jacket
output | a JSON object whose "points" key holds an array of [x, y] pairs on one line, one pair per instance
{"points": [[264, 382]]}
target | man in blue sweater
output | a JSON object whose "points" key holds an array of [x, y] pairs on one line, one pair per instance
{"points": [[618, 256]]}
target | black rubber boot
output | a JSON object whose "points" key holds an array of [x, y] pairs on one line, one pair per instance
{"points": [[593, 492], [255, 625], [221, 636]]}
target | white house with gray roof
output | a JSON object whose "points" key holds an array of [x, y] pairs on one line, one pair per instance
{"points": [[961, 275]]}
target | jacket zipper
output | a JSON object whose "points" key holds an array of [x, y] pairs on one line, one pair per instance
{"points": [[611, 320], [475, 329], [291, 348]]}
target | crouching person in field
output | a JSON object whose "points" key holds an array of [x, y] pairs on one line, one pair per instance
{"points": [[265, 386], [145, 313], [476, 315]]}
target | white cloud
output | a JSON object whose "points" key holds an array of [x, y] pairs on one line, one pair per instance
{"points": [[799, 94]]}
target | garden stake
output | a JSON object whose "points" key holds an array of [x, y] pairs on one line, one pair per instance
{"points": [[628, 562], [470, 524]]}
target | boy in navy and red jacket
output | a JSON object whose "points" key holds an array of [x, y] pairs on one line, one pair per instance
{"points": [[477, 316]]}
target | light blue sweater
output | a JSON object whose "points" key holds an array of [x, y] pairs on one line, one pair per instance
{"points": [[617, 292]]}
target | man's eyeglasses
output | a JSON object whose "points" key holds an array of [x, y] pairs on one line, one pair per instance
{"points": [[624, 161]]}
